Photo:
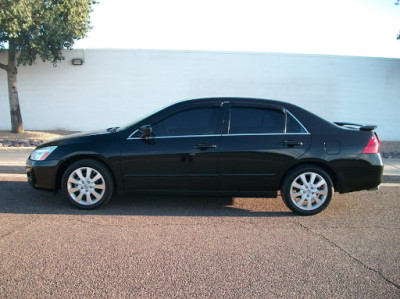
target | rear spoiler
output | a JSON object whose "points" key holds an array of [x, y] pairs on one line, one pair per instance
{"points": [[357, 126]]}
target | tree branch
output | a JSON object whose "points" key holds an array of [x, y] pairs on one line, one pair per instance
{"points": [[4, 67]]}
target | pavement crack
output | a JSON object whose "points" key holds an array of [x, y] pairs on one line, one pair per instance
{"points": [[350, 256], [18, 228]]}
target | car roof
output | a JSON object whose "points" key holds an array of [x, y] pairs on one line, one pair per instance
{"points": [[307, 118], [231, 99]]}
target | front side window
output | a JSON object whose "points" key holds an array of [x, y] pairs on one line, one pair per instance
{"points": [[195, 121], [250, 120]]}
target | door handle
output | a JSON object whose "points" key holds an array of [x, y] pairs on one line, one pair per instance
{"points": [[204, 146], [292, 143]]}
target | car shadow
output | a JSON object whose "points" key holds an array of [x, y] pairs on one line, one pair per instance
{"points": [[18, 197]]}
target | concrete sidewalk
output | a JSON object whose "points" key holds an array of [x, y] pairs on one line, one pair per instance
{"points": [[391, 171], [12, 161]]}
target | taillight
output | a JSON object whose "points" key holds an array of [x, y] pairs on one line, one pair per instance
{"points": [[372, 146]]}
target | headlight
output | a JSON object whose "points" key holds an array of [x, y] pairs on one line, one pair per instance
{"points": [[42, 153]]}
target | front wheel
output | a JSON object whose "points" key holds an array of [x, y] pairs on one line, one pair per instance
{"points": [[307, 190], [87, 184]]}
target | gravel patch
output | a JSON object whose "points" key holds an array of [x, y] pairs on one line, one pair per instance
{"points": [[29, 138], [389, 149]]}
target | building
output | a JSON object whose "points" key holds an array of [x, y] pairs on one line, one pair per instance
{"points": [[115, 87]]}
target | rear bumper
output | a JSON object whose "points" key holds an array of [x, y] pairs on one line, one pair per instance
{"points": [[363, 174], [42, 174]]}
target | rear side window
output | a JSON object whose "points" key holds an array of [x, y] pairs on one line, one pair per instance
{"points": [[293, 126], [196, 121], [250, 120]]}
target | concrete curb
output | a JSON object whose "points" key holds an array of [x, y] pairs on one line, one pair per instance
{"points": [[11, 169], [20, 170], [391, 179], [12, 161]]}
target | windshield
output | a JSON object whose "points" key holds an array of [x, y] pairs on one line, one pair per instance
{"points": [[139, 119], [131, 124]]}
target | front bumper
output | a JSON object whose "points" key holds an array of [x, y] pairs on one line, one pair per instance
{"points": [[42, 174]]}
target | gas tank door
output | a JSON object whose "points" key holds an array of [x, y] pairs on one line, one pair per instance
{"points": [[332, 147]]}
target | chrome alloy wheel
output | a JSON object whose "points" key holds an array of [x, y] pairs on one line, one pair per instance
{"points": [[309, 191], [86, 186]]}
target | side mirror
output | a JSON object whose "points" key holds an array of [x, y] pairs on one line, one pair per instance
{"points": [[147, 131]]}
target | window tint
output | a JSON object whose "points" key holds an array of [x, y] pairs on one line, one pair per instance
{"points": [[256, 120], [293, 126], [196, 121]]}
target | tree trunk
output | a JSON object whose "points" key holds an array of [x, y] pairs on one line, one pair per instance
{"points": [[15, 111]]}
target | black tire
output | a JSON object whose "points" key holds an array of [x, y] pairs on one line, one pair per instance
{"points": [[307, 190], [87, 184]]}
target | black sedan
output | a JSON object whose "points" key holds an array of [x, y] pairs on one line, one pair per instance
{"points": [[235, 146]]}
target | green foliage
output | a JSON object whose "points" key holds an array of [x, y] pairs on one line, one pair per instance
{"points": [[43, 27]]}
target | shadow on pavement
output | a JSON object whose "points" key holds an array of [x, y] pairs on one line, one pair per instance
{"points": [[18, 197]]}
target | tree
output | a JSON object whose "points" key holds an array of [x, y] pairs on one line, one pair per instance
{"points": [[398, 3], [32, 28]]}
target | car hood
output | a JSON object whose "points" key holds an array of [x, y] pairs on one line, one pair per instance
{"points": [[74, 138]]}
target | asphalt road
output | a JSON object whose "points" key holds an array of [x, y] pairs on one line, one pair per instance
{"points": [[162, 247]]}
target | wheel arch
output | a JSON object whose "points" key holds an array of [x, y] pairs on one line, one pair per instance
{"points": [[329, 170], [67, 162]]}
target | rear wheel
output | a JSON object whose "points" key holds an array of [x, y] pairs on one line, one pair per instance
{"points": [[87, 184], [307, 190]]}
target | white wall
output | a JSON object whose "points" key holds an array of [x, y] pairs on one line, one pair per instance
{"points": [[114, 87]]}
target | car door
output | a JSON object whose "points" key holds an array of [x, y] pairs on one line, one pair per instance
{"points": [[259, 142], [181, 154]]}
